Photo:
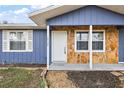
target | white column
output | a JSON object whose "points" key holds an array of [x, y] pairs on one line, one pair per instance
{"points": [[48, 47], [90, 46]]}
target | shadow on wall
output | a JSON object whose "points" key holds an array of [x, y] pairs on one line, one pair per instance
{"points": [[97, 79]]}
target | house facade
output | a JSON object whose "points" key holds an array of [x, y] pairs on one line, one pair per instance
{"points": [[22, 44], [70, 37]]}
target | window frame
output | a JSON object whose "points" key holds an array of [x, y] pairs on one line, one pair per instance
{"points": [[8, 41], [88, 41]]}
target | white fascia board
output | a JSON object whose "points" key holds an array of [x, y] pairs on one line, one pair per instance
{"points": [[43, 10]]}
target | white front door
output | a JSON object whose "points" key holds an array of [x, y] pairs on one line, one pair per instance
{"points": [[59, 46]]}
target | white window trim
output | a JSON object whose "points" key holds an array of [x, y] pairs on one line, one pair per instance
{"points": [[8, 31], [88, 46]]}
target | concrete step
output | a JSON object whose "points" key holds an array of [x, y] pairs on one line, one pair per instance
{"points": [[116, 73], [122, 72]]}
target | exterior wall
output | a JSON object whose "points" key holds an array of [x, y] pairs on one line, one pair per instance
{"points": [[110, 56], [38, 56], [89, 15], [121, 44]]}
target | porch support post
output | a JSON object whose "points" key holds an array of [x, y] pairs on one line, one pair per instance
{"points": [[90, 46], [48, 47]]}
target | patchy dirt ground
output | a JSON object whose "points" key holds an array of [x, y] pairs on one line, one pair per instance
{"points": [[70, 79], [58, 79]]}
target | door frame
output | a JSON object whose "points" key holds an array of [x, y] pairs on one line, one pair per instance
{"points": [[52, 45]]}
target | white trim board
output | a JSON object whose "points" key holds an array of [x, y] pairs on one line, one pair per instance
{"points": [[120, 62], [48, 46]]}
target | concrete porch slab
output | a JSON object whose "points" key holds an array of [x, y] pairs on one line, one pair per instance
{"points": [[64, 66], [85, 67]]}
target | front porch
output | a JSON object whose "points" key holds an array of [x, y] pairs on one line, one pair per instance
{"points": [[67, 56], [83, 40], [86, 67]]}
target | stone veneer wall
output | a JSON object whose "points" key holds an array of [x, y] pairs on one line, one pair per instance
{"points": [[110, 56]]}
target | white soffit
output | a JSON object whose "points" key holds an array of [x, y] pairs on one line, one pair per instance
{"points": [[40, 16], [115, 8]]}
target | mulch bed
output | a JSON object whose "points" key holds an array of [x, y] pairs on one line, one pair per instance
{"points": [[82, 79], [97, 79]]}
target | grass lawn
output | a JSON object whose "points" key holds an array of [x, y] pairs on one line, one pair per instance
{"points": [[20, 78]]}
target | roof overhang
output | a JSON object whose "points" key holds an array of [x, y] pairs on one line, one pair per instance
{"points": [[19, 26], [40, 16]]}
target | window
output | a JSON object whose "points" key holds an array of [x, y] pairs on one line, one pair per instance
{"points": [[82, 40], [17, 41], [98, 42]]}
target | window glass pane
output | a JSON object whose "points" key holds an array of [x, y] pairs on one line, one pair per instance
{"points": [[97, 45], [13, 36], [13, 45], [78, 36], [82, 45], [22, 45], [20, 36], [97, 36], [17, 45], [84, 36]]}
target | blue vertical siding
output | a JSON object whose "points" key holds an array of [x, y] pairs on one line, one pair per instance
{"points": [[89, 15], [38, 56], [121, 45]]}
